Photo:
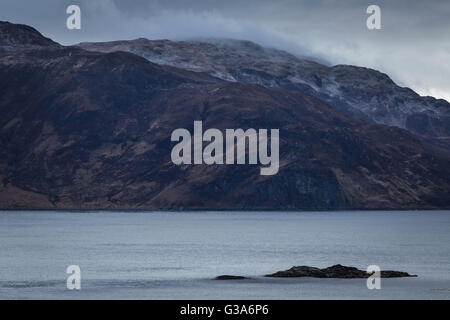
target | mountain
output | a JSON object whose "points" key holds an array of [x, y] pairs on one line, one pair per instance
{"points": [[86, 129], [359, 92], [14, 35]]}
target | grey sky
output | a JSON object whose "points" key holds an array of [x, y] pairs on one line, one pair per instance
{"points": [[413, 46]]}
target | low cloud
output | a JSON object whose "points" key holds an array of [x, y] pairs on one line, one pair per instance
{"points": [[413, 46]]}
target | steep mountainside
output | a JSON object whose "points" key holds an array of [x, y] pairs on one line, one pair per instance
{"points": [[82, 129], [361, 92]]}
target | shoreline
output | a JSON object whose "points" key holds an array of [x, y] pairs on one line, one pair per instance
{"points": [[210, 210]]}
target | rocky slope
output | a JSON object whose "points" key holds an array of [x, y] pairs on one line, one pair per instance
{"points": [[13, 36], [83, 129], [361, 92]]}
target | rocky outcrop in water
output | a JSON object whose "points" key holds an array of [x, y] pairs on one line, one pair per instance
{"points": [[230, 277], [336, 271]]}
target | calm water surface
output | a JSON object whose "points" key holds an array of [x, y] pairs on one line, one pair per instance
{"points": [[154, 255]]}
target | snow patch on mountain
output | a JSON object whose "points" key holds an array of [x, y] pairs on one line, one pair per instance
{"points": [[361, 92]]}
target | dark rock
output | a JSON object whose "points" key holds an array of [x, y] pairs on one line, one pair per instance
{"points": [[396, 274], [336, 271], [230, 277]]}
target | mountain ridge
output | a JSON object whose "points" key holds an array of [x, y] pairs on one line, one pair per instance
{"points": [[357, 91], [91, 130], [21, 34]]}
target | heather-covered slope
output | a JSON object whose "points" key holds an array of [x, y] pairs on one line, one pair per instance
{"points": [[82, 129]]}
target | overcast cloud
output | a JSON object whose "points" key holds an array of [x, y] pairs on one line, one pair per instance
{"points": [[413, 46]]}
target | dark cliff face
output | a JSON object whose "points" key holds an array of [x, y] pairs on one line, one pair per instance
{"points": [[82, 129]]}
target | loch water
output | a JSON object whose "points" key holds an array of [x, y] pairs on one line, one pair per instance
{"points": [[175, 255]]}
